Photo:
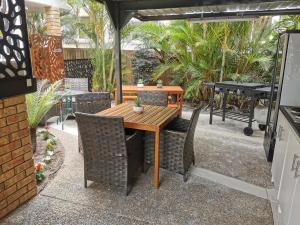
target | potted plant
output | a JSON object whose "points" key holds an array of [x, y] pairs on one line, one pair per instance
{"points": [[38, 105], [159, 84], [39, 171], [138, 108], [140, 83]]}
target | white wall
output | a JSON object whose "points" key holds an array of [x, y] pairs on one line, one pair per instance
{"points": [[40, 4]]}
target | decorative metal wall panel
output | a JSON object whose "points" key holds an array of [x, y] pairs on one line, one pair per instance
{"points": [[80, 68], [15, 65], [47, 57]]}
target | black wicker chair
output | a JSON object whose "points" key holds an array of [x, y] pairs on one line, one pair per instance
{"points": [[53, 112], [79, 84], [91, 103], [159, 98], [110, 156], [176, 146]]}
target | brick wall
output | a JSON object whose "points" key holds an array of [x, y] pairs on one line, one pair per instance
{"points": [[17, 179]]}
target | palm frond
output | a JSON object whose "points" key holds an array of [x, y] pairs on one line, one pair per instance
{"points": [[40, 102]]}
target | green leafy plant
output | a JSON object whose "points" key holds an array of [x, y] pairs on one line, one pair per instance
{"points": [[40, 171], [50, 147], [140, 81], [192, 54], [52, 141], [138, 102], [39, 104], [159, 84]]}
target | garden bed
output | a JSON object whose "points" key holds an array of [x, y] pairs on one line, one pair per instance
{"points": [[40, 156]]}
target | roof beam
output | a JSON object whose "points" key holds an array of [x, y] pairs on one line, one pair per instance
{"points": [[162, 4], [220, 14], [119, 18]]}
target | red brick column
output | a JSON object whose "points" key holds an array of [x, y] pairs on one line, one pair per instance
{"points": [[17, 179]]}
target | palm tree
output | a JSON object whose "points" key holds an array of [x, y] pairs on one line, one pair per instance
{"points": [[207, 52], [39, 103], [96, 28]]}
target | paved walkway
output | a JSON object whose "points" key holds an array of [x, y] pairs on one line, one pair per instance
{"points": [[197, 202]]}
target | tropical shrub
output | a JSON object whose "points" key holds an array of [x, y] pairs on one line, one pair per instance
{"points": [[144, 63], [39, 103], [192, 54]]}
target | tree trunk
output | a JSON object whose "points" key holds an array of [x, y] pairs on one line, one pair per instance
{"points": [[33, 138]]}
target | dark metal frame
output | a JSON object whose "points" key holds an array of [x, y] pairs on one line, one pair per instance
{"points": [[255, 93], [224, 15], [18, 48], [121, 11]]}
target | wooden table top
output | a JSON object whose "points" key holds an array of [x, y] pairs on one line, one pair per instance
{"points": [[152, 119], [128, 88]]}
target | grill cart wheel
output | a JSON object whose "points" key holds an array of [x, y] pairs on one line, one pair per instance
{"points": [[248, 131], [262, 127]]}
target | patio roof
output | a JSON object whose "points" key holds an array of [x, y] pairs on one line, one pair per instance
{"points": [[149, 10], [121, 11]]}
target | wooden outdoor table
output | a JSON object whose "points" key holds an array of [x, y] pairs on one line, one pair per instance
{"points": [[130, 93], [154, 118]]}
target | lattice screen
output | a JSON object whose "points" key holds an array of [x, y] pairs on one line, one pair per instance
{"points": [[80, 68], [15, 66], [47, 57]]}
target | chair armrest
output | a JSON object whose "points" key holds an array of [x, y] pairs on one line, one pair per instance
{"points": [[179, 124], [179, 134]]}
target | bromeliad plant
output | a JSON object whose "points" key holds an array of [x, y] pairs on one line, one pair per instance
{"points": [[39, 104], [39, 171]]}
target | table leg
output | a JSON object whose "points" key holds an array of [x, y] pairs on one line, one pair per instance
{"points": [[156, 161], [248, 130], [181, 102], [224, 106], [211, 101], [253, 101], [116, 98]]}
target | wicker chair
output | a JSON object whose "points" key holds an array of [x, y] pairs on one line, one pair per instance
{"points": [[53, 112], [91, 103], [176, 146], [79, 84], [110, 156], [159, 98]]}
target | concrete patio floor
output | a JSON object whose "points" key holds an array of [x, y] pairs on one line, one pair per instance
{"points": [[197, 202]]}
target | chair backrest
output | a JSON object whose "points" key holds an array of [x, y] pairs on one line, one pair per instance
{"points": [[103, 141], [189, 141], [79, 84], [159, 98], [93, 102]]}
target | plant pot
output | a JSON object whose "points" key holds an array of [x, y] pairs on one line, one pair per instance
{"points": [[33, 139], [159, 85], [138, 109], [140, 85]]}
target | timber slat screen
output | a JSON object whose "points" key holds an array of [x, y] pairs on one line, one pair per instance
{"points": [[154, 118]]}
